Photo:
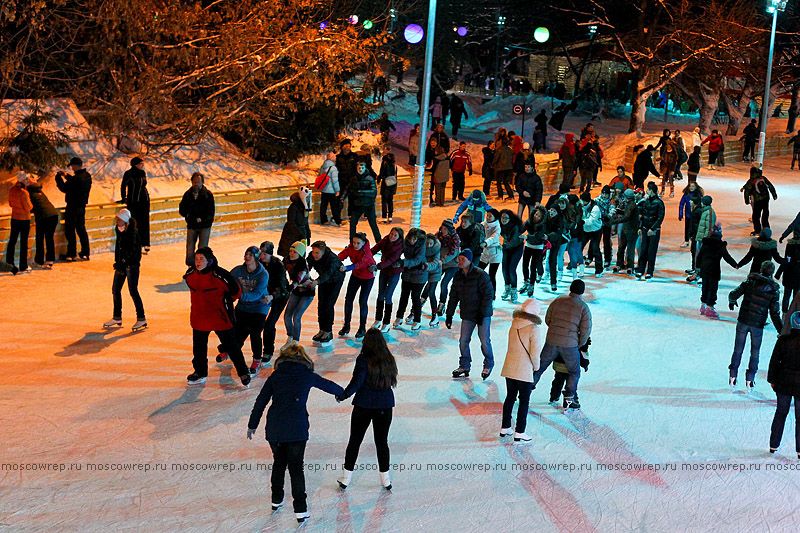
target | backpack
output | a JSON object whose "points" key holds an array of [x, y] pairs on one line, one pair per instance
{"points": [[322, 180]]}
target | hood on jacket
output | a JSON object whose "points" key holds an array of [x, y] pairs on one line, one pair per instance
{"points": [[520, 319], [291, 357], [432, 251], [569, 137], [759, 244], [481, 195]]}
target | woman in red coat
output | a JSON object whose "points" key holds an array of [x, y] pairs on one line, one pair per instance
{"points": [[213, 291], [361, 279]]}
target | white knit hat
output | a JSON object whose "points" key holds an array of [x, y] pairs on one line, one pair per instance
{"points": [[124, 215], [22, 177], [532, 306]]}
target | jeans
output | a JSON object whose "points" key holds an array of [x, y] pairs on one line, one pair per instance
{"points": [[572, 360], [555, 262], [355, 214], [626, 254], [386, 286], [326, 304], [45, 230], [141, 214], [20, 229], [248, 325], [130, 273], [760, 215], [326, 199], [293, 316], [229, 344], [353, 286], [781, 411], [289, 454], [575, 252], [192, 236], [531, 263], [381, 420], [484, 334], [275, 310], [387, 204], [429, 293], [708, 294], [414, 290], [447, 277], [647, 257], [516, 388], [75, 222], [458, 186], [504, 179], [593, 238], [742, 330], [511, 257]]}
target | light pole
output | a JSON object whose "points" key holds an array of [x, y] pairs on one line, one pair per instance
{"points": [[773, 7], [501, 20]]}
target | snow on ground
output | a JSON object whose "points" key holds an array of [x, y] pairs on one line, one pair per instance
{"points": [[655, 397]]}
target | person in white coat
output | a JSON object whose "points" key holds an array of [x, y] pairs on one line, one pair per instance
{"points": [[522, 360], [492, 252], [697, 139]]}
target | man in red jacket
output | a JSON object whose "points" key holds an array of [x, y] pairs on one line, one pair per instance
{"points": [[460, 162], [213, 292]]}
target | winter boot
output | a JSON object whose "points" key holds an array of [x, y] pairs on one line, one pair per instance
{"points": [[506, 293], [345, 478], [513, 297], [711, 312]]}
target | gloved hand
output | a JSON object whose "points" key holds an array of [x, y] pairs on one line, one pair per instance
{"points": [[250, 433], [372, 268], [424, 266], [448, 322], [732, 305], [584, 363], [397, 264], [780, 240], [650, 233], [339, 399]]}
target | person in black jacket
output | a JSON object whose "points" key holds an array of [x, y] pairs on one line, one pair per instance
{"points": [[76, 188], [530, 190], [790, 269], [278, 288], [533, 252], [135, 196], [330, 279], [127, 258], [651, 215], [713, 251], [46, 217], [363, 191], [413, 278], [644, 166], [784, 376], [470, 233], [762, 248], [761, 296], [387, 178], [513, 244], [197, 207], [287, 422], [374, 376], [472, 293], [346, 161], [296, 227], [750, 138]]}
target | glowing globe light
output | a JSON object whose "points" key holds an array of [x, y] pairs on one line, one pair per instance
{"points": [[323, 25], [353, 19], [541, 34], [367, 24], [462, 31], [413, 33]]}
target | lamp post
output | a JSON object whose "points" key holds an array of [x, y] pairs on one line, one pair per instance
{"points": [[773, 7], [501, 20]]}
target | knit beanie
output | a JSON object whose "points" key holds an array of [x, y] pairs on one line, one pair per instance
{"points": [[344, 142], [577, 287], [76, 161], [268, 247], [124, 215], [707, 200], [607, 190], [619, 185], [253, 250], [532, 306], [495, 213], [766, 233], [466, 253], [300, 248], [629, 193], [476, 194], [136, 160]]}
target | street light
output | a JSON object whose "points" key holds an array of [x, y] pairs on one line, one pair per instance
{"points": [[772, 7], [501, 20]]}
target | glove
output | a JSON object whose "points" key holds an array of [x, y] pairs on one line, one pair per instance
{"points": [[250, 433], [424, 266], [339, 399], [117, 266], [448, 322], [479, 320], [372, 268], [584, 363], [780, 240], [732, 305], [397, 264], [650, 233]]}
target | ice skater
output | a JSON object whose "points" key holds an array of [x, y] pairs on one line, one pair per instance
{"points": [[361, 280], [711, 254], [127, 258], [287, 422], [784, 376]]}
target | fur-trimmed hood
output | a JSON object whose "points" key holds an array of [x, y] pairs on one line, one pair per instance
{"points": [[759, 244], [519, 313], [292, 358]]}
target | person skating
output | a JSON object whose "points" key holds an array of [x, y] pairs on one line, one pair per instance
{"points": [[330, 191], [391, 250], [330, 278], [503, 166], [795, 143], [761, 296], [296, 227], [569, 326], [387, 179], [750, 139], [134, 194], [691, 190], [127, 259], [413, 278], [492, 249], [301, 292], [628, 217], [784, 376], [346, 161], [568, 155], [622, 178], [46, 218], [441, 175], [252, 308], [457, 111], [213, 291], [374, 377], [472, 294], [76, 188], [486, 169], [476, 205], [651, 215], [558, 236], [197, 208], [460, 162], [561, 373], [793, 227], [433, 265], [715, 146], [470, 232], [711, 253], [593, 230], [790, 270], [361, 281], [669, 162], [589, 157], [451, 246], [643, 166], [533, 253], [287, 425], [522, 360], [362, 193], [530, 189], [20, 201], [513, 244], [762, 248], [607, 210], [278, 288], [693, 164], [757, 192]]}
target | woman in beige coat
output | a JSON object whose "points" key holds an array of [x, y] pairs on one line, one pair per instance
{"points": [[522, 360]]}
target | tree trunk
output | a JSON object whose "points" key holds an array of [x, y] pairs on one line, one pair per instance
{"points": [[639, 97], [794, 108], [709, 104], [736, 111]]}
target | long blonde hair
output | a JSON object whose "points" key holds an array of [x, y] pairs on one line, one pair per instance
{"points": [[295, 353]]}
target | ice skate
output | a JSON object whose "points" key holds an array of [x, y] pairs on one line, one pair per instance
{"points": [[344, 332], [702, 309], [440, 309], [506, 293], [648, 276], [685, 244], [317, 335], [113, 323], [326, 338], [553, 288], [485, 373], [302, 517], [748, 385], [434, 323], [524, 287], [360, 334], [255, 366], [530, 290], [140, 324], [615, 270], [460, 373], [581, 270], [246, 381], [386, 328], [345, 478], [506, 432], [773, 450], [377, 324], [416, 326], [711, 312], [522, 437], [289, 342], [276, 506], [398, 323], [385, 481], [195, 379], [732, 383], [513, 297], [410, 318]]}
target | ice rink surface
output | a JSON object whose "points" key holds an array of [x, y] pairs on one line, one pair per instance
{"points": [[101, 433]]}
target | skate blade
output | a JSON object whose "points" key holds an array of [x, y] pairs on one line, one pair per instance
{"points": [[114, 326], [139, 328]]}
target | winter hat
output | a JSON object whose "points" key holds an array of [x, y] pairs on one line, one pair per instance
{"points": [[300, 248], [124, 215], [253, 250], [795, 320], [526, 146], [345, 142], [619, 185], [586, 196], [577, 287], [628, 193], [607, 190], [707, 200], [22, 177], [533, 307], [76, 161], [136, 160], [766, 233], [717, 229], [476, 194], [466, 253], [495, 213], [639, 191], [268, 247]]}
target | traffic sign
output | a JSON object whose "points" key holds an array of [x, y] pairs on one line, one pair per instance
{"points": [[517, 109]]}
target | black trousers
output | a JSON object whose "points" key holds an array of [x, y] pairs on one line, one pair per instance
{"points": [[326, 303], [709, 291], [289, 455], [607, 244], [248, 325], [20, 229], [593, 237], [75, 222], [355, 214], [493, 268], [504, 180], [531, 263], [275, 312], [353, 286], [488, 178], [45, 230], [749, 150], [458, 185], [131, 274], [414, 290], [387, 204], [760, 215], [381, 420], [626, 255], [326, 199], [229, 344], [647, 258], [516, 388], [141, 214]]}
